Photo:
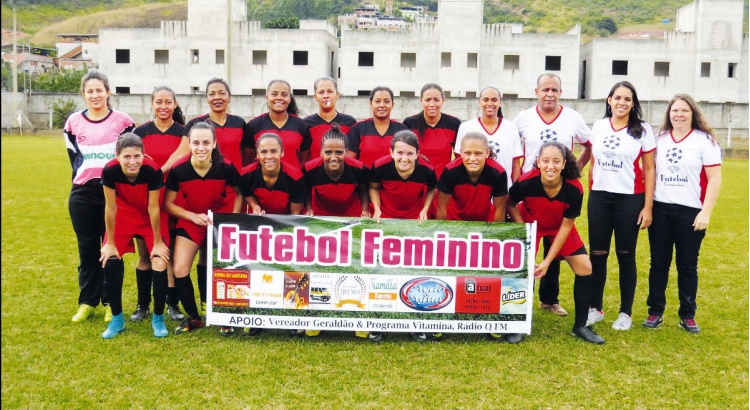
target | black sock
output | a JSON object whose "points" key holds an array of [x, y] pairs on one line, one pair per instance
{"points": [[114, 271], [172, 298], [143, 280], [201, 271], [583, 287], [187, 296], [160, 290]]}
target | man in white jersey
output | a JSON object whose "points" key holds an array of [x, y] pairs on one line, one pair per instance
{"points": [[550, 121]]}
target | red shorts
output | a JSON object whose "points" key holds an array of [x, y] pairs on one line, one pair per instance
{"points": [[126, 231], [189, 230], [572, 246]]}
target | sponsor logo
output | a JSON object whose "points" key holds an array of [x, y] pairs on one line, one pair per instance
{"points": [[426, 294], [99, 155], [517, 298], [548, 135], [470, 286], [267, 278], [674, 155], [350, 291]]}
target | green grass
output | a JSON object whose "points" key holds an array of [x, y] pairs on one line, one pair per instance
{"points": [[48, 362]]}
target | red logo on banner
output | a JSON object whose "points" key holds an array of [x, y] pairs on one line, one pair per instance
{"points": [[478, 294]]}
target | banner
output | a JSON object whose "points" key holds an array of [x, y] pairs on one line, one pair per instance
{"points": [[331, 273]]}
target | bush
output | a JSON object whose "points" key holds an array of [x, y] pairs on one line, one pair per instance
{"points": [[61, 110]]}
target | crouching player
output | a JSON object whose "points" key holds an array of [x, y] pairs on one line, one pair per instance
{"points": [[552, 195], [131, 190]]}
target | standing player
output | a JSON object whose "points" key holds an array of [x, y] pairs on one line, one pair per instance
{"points": [[550, 121], [229, 131], [161, 139], [282, 120], [132, 184], [326, 95], [436, 131], [552, 196], [476, 187], [502, 135], [688, 179], [621, 196], [202, 181], [90, 137], [370, 139]]}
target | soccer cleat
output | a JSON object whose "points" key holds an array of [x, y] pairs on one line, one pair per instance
{"points": [[107, 313], [435, 337], [297, 332], [496, 337], [623, 322], [362, 335], [554, 308], [203, 309], [595, 316], [226, 331], [375, 337], [312, 333], [514, 338], [587, 334], [188, 325], [653, 321], [251, 331], [157, 323], [690, 325], [141, 312], [418, 337], [174, 312], [84, 312], [115, 326]]}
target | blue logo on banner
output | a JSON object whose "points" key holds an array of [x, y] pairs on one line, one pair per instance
{"points": [[426, 294]]}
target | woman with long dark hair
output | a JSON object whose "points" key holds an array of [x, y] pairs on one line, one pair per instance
{"points": [[370, 139], [621, 180]]}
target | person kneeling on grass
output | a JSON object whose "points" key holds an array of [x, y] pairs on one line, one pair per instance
{"points": [[551, 195], [131, 190]]}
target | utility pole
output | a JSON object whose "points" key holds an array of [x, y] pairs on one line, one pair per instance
{"points": [[14, 63]]}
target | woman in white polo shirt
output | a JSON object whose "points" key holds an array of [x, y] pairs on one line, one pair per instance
{"points": [[688, 178]]}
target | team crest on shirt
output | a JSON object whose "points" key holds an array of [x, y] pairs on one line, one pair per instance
{"points": [[612, 142], [673, 169], [548, 135], [495, 146], [674, 155]]}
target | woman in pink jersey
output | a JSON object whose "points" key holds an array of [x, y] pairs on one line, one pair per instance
{"points": [[161, 140], [90, 137], [132, 185], [688, 178], [621, 181]]}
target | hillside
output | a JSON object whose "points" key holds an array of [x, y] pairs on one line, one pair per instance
{"points": [[45, 18]]}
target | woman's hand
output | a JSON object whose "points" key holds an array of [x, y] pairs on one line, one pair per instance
{"points": [[645, 218], [541, 269], [160, 251], [108, 251], [200, 219], [701, 221]]}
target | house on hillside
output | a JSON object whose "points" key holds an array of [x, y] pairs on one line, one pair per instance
{"points": [[705, 56], [77, 51], [30, 59]]}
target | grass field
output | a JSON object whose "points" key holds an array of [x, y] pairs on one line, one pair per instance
{"points": [[49, 362]]}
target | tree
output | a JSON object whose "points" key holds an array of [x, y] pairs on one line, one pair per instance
{"points": [[604, 23]]}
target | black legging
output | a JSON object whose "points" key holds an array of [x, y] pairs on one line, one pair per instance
{"points": [[86, 207]]}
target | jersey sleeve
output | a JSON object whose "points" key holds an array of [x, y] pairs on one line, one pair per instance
{"points": [[306, 137], [431, 179], [574, 204], [648, 141], [583, 133], [353, 138], [517, 191], [711, 154], [446, 183], [501, 187], [248, 135], [246, 183], [462, 130], [297, 191], [376, 174], [156, 179], [108, 179], [172, 183], [233, 176]]}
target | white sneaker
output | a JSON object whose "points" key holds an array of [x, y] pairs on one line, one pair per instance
{"points": [[623, 322], [594, 316]]}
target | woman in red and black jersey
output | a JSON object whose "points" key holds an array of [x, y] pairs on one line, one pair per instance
{"points": [[402, 185], [161, 140], [370, 139], [271, 185], [473, 187], [551, 195], [326, 95], [337, 183], [132, 183], [435, 129], [282, 120], [202, 180]]}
